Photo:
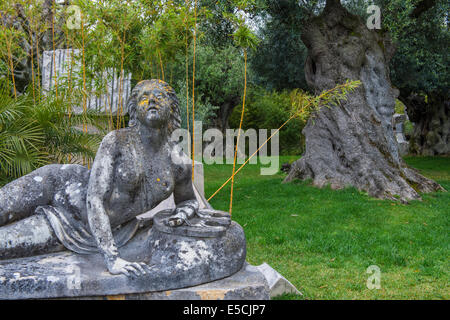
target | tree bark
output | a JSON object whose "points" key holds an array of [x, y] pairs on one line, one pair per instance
{"points": [[431, 118], [353, 144]]}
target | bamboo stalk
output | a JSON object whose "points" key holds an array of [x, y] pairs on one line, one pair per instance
{"points": [[32, 55], [84, 84], [110, 119], [120, 106], [72, 61], [38, 66], [53, 44], [254, 153], [69, 106], [161, 64], [239, 132], [193, 90], [187, 71], [108, 107], [69, 71]]}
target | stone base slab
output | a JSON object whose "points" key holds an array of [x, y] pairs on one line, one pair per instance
{"points": [[176, 262], [247, 284]]}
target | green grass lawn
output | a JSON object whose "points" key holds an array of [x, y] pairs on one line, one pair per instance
{"points": [[323, 240]]}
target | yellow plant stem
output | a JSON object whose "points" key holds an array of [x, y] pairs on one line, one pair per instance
{"points": [[239, 132], [161, 64], [193, 91], [254, 153], [84, 86], [38, 67], [32, 55], [120, 106], [187, 72], [53, 44], [69, 106]]}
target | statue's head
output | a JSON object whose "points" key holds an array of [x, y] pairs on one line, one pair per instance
{"points": [[154, 103]]}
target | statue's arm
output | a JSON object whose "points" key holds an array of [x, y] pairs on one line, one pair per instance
{"points": [[99, 190], [184, 194]]}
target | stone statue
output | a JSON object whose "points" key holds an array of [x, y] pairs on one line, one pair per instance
{"points": [[59, 207]]}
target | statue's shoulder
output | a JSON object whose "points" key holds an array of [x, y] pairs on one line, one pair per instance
{"points": [[118, 137], [116, 140]]}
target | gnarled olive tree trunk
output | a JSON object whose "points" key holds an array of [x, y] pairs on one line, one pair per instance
{"points": [[353, 144]]}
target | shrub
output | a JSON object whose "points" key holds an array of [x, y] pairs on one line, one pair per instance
{"points": [[36, 134], [269, 110]]}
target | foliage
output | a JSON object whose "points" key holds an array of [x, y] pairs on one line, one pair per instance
{"points": [[20, 138], [10, 51], [305, 105], [269, 110], [4, 79], [243, 36], [218, 76], [279, 58], [421, 61], [359, 7], [217, 27], [399, 107], [32, 135], [204, 110]]}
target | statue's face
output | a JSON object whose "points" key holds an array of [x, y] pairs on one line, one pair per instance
{"points": [[153, 106]]}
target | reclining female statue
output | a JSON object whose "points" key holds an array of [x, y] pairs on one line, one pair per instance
{"points": [[59, 207]]}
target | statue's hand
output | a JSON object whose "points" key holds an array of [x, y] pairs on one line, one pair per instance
{"points": [[121, 266], [183, 212], [180, 217]]}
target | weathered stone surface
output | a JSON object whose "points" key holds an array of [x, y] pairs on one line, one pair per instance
{"points": [[94, 210], [247, 284], [176, 262], [199, 189], [207, 223], [199, 180], [278, 284]]}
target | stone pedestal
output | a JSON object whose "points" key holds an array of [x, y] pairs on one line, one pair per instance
{"points": [[176, 262], [246, 284]]}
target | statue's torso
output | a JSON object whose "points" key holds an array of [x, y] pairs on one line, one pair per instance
{"points": [[141, 180]]}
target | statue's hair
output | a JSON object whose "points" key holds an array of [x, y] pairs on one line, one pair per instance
{"points": [[175, 117]]}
